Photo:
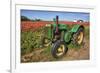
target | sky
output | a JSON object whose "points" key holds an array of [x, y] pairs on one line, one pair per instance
{"points": [[49, 15]]}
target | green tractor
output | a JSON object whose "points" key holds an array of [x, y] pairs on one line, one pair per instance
{"points": [[61, 35]]}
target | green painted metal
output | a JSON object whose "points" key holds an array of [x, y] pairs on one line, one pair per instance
{"points": [[75, 28], [60, 26], [49, 31], [54, 20], [64, 29], [67, 36]]}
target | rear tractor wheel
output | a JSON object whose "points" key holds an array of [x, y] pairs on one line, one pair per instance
{"points": [[78, 37]]}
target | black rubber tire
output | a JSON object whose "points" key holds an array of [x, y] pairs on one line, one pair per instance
{"points": [[75, 35], [55, 47]]}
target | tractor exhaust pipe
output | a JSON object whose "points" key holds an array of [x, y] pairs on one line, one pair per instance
{"points": [[57, 30], [57, 20]]}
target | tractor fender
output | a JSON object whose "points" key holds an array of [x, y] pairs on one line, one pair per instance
{"points": [[76, 27], [67, 36]]}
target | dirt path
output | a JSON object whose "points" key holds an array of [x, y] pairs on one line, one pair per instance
{"points": [[80, 54], [40, 55]]}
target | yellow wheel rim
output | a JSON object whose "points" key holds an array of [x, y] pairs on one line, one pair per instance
{"points": [[60, 50], [46, 40], [80, 38]]}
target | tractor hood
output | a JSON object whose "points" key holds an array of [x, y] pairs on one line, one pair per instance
{"points": [[60, 26]]}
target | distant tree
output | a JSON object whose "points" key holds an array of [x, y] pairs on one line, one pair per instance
{"points": [[24, 18], [37, 20]]}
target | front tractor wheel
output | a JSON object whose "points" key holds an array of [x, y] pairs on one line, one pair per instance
{"points": [[78, 37], [59, 49]]}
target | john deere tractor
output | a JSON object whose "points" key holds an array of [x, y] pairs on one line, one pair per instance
{"points": [[61, 35]]}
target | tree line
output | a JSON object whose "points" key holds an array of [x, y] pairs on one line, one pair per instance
{"points": [[24, 18]]}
